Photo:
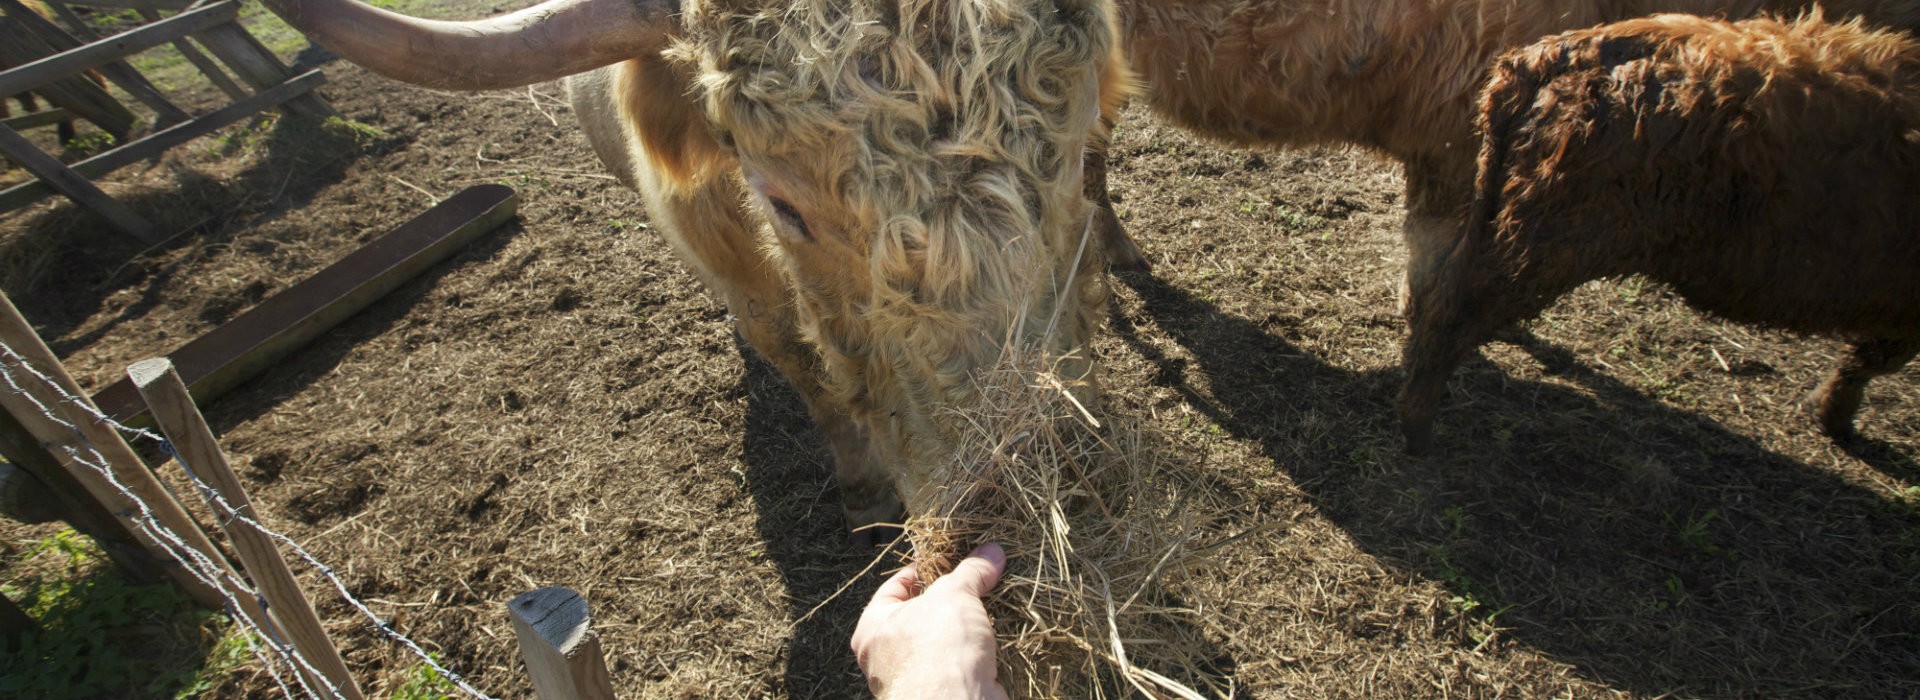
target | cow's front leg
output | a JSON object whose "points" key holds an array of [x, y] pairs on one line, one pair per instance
{"points": [[1437, 193], [720, 241], [1123, 254]]}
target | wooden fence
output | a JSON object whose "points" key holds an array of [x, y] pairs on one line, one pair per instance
{"points": [[49, 61], [552, 625], [63, 448]]}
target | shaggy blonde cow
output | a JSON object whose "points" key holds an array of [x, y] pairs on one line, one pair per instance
{"points": [[887, 193]]}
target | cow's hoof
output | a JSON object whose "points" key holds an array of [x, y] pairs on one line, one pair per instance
{"points": [[1123, 255], [1834, 414], [875, 525]]}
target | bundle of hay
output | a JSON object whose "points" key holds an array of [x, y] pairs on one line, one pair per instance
{"points": [[1100, 530]]}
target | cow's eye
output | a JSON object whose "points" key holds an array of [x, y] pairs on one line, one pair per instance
{"points": [[790, 218]]}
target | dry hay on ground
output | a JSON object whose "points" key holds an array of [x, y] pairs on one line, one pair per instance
{"points": [[1102, 526]]}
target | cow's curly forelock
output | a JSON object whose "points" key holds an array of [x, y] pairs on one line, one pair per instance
{"points": [[953, 133]]}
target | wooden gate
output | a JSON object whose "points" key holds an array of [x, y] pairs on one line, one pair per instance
{"points": [[50, 62]]}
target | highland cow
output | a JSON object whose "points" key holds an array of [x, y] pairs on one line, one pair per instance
{"points": [[887, 194], [1397, 77], [1767, 170]]}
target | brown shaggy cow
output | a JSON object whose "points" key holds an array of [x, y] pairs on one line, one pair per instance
{"points": [[1397, 76], [888, 194], [1768, 170]]}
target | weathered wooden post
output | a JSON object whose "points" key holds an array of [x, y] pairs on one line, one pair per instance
{"points": [[75, 505], [194, 446], [75, 425], [559, 645]]}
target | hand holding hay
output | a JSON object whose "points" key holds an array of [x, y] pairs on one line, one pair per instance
{"points": [[933, 643], [1098, 531]]}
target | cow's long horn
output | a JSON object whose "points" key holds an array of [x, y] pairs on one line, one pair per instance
{"points": [[547, 41]]}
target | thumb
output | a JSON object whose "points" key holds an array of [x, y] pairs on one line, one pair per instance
{"points": [[977, 574]]}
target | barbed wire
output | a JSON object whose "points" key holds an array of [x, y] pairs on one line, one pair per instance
{"points": [[201, 566]]}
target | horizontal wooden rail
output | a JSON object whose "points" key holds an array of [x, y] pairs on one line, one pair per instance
{"points": [[174, 5], [75, 187], [29, 76], [40, 118], [158, 142], [255, 340], [119, 72]]}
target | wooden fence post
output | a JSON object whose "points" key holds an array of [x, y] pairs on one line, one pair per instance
{"points": [[77, 507], [124, 464], [559, 645], [194, 446]]}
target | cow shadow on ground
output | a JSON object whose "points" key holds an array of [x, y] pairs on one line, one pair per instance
{"points": [[789, 474], [1875, 452], [1654, 549], [64, 264]]}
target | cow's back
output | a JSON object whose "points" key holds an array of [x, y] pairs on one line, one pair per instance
{"points": [[1769, 175]]}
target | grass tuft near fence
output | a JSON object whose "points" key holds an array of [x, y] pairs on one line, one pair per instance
{"points": [[102, 636]]}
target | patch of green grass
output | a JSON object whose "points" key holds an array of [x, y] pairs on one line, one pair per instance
{"points": [[424, 683], [1455, 518], [1288, 217], [240, 139], [89, 143], [233, 649], [619, 225], [1675, 594], [359, 132], [101, 636], [1694, 533], [1631, 289], [1472, 601]]}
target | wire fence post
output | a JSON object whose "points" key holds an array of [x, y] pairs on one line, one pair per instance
{"points": [[194, 446], [67, 425], [559, 645]]}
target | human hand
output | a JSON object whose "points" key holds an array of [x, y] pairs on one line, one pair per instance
{"points": [[938, 644]]}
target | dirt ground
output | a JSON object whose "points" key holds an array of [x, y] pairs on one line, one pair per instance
{"points": [[1630, 505]]}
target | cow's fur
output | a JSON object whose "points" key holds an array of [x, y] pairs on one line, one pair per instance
{"points": [[1768, 170], [931, 152], [1397, 76]]}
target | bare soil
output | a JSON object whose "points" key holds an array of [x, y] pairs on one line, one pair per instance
{"points": [[1630, 503]]}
